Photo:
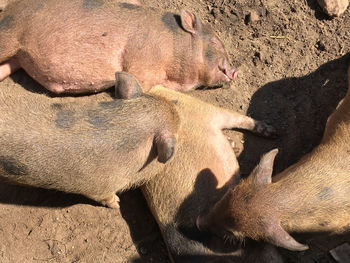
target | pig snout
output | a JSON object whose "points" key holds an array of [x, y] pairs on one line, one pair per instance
{"points": [[230, 73]]}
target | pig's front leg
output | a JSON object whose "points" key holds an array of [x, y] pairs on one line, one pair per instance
{"points": [[230, 120], [8, 67]]}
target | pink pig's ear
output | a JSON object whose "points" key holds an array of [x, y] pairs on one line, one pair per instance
{"points": [[190, 22], [263, 172], [279, 237]]}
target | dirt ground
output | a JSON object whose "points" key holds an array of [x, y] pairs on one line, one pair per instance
{"points": [[293, 62]]}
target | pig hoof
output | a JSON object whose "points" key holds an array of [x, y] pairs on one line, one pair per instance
{"points": [[235, 148], [111, 202], [126, 86], [264, 129], [166, 143]]}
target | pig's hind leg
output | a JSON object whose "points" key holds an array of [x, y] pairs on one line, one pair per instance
{"points": [[8, 67], [230, 120], [111, 200]]}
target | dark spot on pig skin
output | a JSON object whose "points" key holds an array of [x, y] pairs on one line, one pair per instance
{"points": [[92, 4], [209, 54], [325, 194], [56, 106], [111, 104], [97, 119], [13, 167], [6, 23], [247, 198], [324, 224], [65, 119], [172, 21], [129, 6]]}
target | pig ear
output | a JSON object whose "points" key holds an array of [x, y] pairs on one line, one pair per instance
{"points": [[126, 86], [190, 22], [279, 237], [263, 172]]}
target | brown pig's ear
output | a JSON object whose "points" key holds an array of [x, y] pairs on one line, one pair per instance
{"points": [[263, 172], [190, 22], [279, 237], [126, 86]]}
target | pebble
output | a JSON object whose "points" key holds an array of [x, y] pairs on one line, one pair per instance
{"points": [[252, 17], [333, 7]]}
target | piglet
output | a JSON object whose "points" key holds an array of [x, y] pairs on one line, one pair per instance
{"points": [[312, 195], [86, 145], [202, 170], [77, 46]]}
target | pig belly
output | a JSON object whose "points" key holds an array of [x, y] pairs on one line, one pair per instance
{"points": [[70, 76], [225, 166]]}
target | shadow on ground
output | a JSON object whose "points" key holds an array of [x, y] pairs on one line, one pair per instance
{"points": [[298, 108]]}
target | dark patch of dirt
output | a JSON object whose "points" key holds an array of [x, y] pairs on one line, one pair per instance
{"points": [[293, 61]]}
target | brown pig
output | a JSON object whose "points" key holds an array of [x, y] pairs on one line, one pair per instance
{"points": [[84, 145], [77, 46], [202, 170], [312, 195]]}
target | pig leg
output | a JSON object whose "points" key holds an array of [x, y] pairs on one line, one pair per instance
{"points": [[8, 67], [111, 200], [126, 86], [165, 142], [134, 2], [230, 120], [9, 47]]}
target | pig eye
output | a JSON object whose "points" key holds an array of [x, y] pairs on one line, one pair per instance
{"points": [[216, 43]]}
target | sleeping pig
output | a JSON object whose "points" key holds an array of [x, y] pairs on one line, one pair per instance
{"points": [[312, 195], [77, 46], [84, 145], [204, 167]]}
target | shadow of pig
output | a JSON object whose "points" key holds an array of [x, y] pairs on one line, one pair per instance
{"points": [[298, 108]]}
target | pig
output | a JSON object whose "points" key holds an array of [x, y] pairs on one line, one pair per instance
{"points": [[77, 46], [313, 195], [204, 167], [84, 145]]}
